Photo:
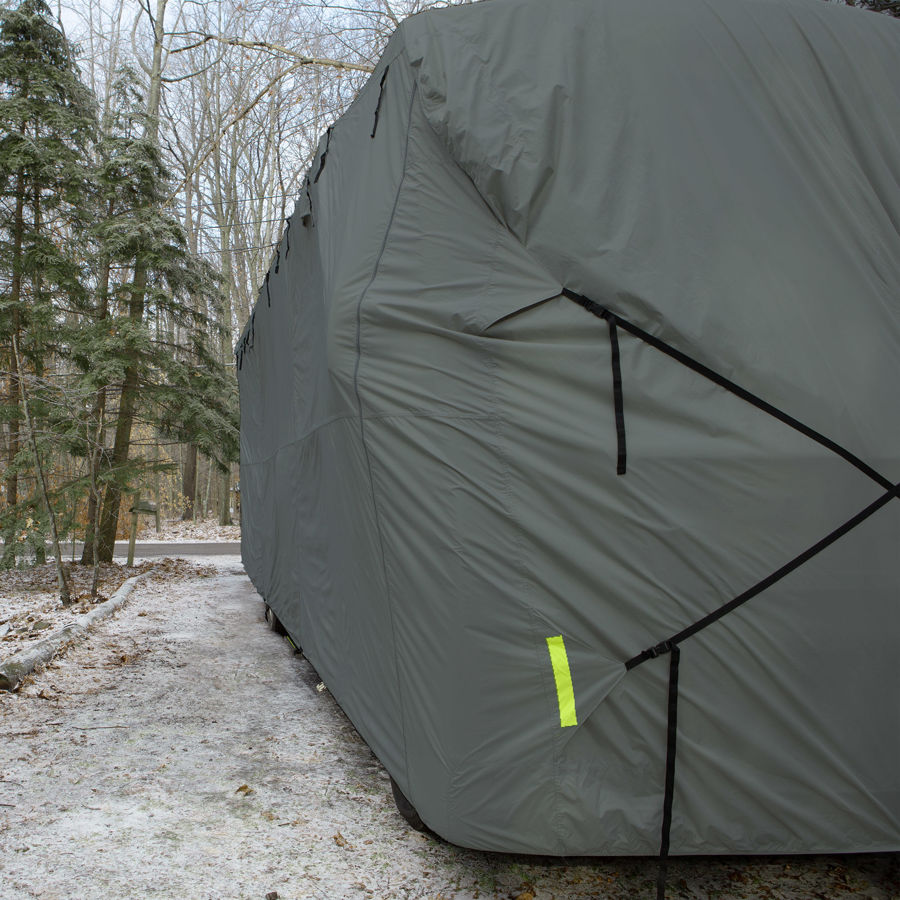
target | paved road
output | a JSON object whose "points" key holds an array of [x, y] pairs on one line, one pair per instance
{"points": [[144, 549]]}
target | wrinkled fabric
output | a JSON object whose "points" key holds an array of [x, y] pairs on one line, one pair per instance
{"points": [[428, 441]]}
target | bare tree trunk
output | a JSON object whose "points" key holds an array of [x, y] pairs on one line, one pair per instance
{"points": [[64, 596], [189, 472], [95, 498], [40, 548], [189, 482], [12, 399], [209, 473], [225, 216], [225, 506], [12, 451], [198, 493], [109, 519], [97, 415]]}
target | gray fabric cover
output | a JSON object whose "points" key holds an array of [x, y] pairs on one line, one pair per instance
{"points": [[428, 450]]}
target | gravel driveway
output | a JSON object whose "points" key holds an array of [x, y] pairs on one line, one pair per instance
{"points": [[184, 752]]}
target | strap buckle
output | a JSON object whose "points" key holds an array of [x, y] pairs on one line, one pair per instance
{"points": [[660, 649]]}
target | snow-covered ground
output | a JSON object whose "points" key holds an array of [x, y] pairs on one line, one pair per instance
{"points": [[183, 751], [176, 530], [29, 599]]}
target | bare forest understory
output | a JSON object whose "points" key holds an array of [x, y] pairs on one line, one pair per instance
{"points": [[183, 750]]}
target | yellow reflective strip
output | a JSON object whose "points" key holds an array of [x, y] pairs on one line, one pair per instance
{"points": [[565, 693]]}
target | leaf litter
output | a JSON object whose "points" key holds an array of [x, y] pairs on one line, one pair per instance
{"points": [[29, 600]]}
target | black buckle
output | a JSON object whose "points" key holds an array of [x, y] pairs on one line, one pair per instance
{"points": [[660, 649]]}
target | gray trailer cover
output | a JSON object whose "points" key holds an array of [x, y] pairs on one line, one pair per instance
{"points": [[474, 324]]}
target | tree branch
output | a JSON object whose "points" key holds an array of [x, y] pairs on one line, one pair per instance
{"points": [[224, 130], [276, 49]]}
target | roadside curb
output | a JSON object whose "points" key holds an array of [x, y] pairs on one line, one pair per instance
{"points": [[20, 664]]}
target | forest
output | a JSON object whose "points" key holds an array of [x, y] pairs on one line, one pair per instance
{"points": [[150, 152]]}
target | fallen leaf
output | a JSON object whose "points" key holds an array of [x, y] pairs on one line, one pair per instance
{"points": [[244, 789], [341, 841]]}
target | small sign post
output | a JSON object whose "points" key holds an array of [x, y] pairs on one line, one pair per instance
{"points": [[140, 507]]}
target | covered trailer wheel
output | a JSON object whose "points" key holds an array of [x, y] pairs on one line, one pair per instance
{"points": [[406, 809], [274, 622]]}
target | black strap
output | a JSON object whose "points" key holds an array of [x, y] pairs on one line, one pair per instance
{"points": [[671, 739], [671, 645], [324, 156], [618, 401], [287, 238], [307, 219], [380, 98], [277, 259], [268, 294], [767, 582], [246, 342], [893, 490], [698, 367]]}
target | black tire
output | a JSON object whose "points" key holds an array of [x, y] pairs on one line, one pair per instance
{"points": [[406, 809], [274, 622]]}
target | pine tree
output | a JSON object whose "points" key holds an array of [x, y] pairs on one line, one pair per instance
{"points": [[47, 122], [98, 310], [177, 386]]}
